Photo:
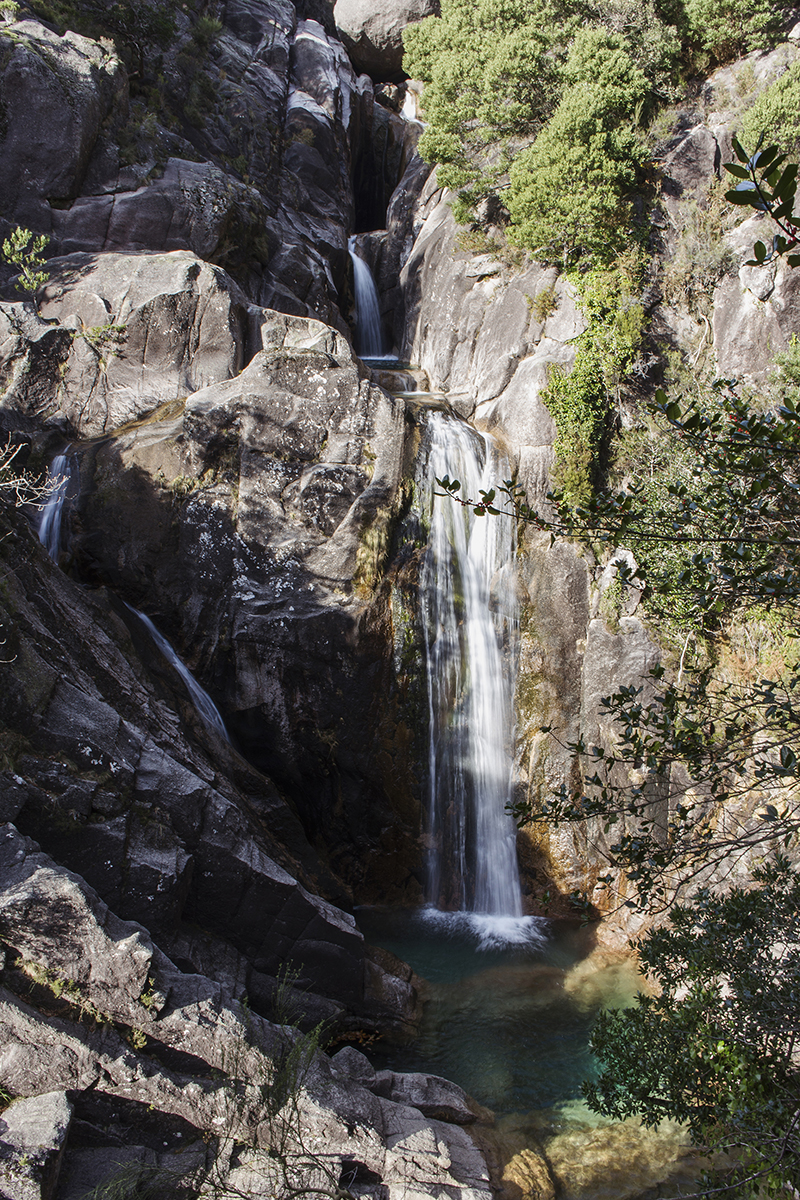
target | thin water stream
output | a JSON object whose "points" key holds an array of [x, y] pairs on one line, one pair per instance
{"points": [[205, 706], [64, 473]]}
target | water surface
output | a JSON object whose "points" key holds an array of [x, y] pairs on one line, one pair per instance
{"points": [[498, 1018]]}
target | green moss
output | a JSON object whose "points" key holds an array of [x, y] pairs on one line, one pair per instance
{"points": [[373, 550], [611, 604]]}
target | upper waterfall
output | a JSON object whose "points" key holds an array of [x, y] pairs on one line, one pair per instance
{"points": [[369, 332], [470, 621], [62, 470]]}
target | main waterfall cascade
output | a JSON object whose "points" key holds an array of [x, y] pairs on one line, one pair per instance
{"points": [[470, 620]]}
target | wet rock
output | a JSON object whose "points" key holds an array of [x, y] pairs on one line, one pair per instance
{"points": [[33, 1135], [528, 1172], [616, 1162]]}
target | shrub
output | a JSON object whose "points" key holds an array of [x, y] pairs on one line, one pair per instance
{"points": [[25, 251], [581, 402], [491, 73], [775, 114], [569, 191], [727, 29]]}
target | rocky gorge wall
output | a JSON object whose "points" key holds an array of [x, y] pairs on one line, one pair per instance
{"points": [[246, 481]]}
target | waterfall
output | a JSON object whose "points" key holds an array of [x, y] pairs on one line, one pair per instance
{"points": [[470, 623], [369, 333], [63, 472], [205, 706]]}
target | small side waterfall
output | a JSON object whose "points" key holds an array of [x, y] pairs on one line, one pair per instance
{"points": [[369, 333], [470, 622], [64, 471], [205, 706]]}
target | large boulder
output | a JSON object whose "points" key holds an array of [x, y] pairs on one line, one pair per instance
{"points": [[133, 332], [33, 1135], [373, 33], [756, 309]]}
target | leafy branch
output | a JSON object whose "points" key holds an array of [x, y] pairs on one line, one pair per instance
{"points": [[768, 186]]}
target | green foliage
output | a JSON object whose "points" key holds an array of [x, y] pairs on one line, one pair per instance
{"points": [[105, 341], [767, 184], [714, 1048], [25, 251], [137, 26], [581, 401], [775, 115], [9, 10], [577, 403], [727, 29], [571, 190], [491, 73], [650, 37], [206, 32], [700, 782], [544, 303], [701, 256]]}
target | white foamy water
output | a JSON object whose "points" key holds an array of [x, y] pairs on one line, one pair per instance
{"points": [[488, 931], [470, 622], [63, 470], [369, 332]]}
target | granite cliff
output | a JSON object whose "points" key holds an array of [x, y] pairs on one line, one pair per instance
{"points": [[169, 900]]}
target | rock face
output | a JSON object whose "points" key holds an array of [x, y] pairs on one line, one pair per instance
{"points": [[175, 907], [32, 1141], [484, 335], [275, 95], [373, 33], [133, 1031], [753, 311]]}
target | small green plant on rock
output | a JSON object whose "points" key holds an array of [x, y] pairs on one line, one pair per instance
{"points": [[105, 341], [544, 303], [25, 251], [9, 10]]}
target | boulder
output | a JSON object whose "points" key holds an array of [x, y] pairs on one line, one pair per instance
{"points": [[756, 310], [33, 1135], [373, 33], [50, 918], [134, 331], [185, 1049], [191, 206], [434, 1097]]}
